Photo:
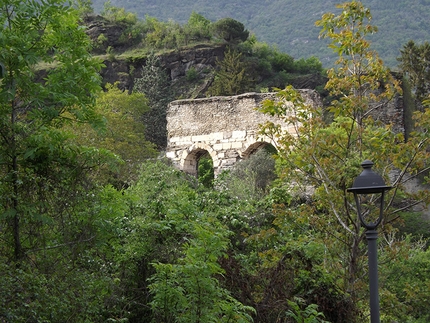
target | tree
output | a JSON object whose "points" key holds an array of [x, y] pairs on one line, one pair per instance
{"points": [[169, 251], [124, 134], [406, 280], [33, 149], [154, 83], [230, 30], [251, 178], [274, 256], [84, 7], [66, 280], [116, 14], [53, 213], [131, 28], [415, 63], [327, 156], [189, 290], [163, 35], [232, 76], [199, 27]]}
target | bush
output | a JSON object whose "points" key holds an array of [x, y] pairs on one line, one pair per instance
{"points": [[262, 167], [206, 170], [310, 65], [251, 177], [198, 27], [230, 30], [191, 74], [116, 14]]}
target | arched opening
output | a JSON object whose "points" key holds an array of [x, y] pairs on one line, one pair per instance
{"points": [[257, 167], [199, 163], [252, 149], [205, 170]]}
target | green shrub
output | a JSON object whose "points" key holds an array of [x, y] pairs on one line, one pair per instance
{"points": [[310, 65], [102, 39], [301, 314], [116, 14], [262, 167], [414, 224], [191, 74], [230, 30], [198, 27]]}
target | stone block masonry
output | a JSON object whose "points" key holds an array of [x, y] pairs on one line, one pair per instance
{"points": [[224, 127]]}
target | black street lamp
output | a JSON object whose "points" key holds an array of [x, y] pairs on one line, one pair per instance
{"points": [[367, 183]]}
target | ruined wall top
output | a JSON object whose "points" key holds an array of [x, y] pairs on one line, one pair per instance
{"points": [[222, 114]]}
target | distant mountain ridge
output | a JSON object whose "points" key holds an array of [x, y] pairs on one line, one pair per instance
{"points": [[290, 24]]}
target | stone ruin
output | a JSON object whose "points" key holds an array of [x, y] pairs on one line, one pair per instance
{"points": [[225, 127]]}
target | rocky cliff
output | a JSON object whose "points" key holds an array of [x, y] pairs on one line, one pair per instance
{"points": [[123, 61], [200, 59]]}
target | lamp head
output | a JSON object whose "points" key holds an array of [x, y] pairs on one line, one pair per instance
{"points": [[368, 182]]}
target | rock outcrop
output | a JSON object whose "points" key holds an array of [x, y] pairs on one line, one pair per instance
{"points": [[111, 40], [201, 59], [104, 34]]}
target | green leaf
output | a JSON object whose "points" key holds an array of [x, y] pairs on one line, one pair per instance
{"points": [[8, 214]]}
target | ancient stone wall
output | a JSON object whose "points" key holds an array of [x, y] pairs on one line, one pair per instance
{"points": [[225, 127]]}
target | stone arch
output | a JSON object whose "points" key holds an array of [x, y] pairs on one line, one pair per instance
{"points": [[190, 157], [253, 148]]}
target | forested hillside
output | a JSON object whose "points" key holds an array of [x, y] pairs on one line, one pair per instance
{"points": [[290, 24], [97, 226]]}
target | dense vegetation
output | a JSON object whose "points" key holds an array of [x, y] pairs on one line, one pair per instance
{"points": [[290, 24], [93, 228]]}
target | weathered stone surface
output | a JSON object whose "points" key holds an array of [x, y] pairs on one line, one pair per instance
{"points": [[97, 25], [117, 71], [236, 116], [225, 127], [176, 64], [200, 57]]}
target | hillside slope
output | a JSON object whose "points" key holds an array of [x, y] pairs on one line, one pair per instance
{"points": [[290, 24]]}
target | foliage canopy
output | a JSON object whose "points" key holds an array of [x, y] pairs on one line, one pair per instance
{"points": [[326, 156], [277, 240]]}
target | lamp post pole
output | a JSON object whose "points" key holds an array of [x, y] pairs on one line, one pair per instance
{"points": [[369, 182], [372, 254]]}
